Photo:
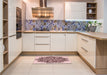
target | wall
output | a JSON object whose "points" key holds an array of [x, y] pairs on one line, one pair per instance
{"points": [[105, 16], [57, 4]]}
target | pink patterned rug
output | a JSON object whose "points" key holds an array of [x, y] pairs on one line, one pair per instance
{"points": [[52, 60]]}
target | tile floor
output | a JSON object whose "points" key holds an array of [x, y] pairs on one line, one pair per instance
{"points": [[24, 66]]}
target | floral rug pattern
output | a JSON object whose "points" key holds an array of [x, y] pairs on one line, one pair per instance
{"points": [[52, 59]]}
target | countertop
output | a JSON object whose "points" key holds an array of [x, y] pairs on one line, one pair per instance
{"points": [[96, 35]]}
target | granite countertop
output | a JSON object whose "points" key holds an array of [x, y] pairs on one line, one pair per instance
{"points": [[96, 35]]}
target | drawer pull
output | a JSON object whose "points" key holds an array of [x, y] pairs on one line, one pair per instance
{"points": [[84, 40], [42, 44], [42, 36], [84, 49]]}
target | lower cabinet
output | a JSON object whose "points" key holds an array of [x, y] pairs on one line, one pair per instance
{"points": [[1, 55], [12, 48], [28, 42], [87, 49], [58, 41], [71, 42], [49, 42]]}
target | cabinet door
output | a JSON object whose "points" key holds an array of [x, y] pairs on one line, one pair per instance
{"points": [[1, 10], [12, 17], [19, 45], [1, 55], [71, 42], [28, 42], [75, 10], [58, 42], [12, 48]]}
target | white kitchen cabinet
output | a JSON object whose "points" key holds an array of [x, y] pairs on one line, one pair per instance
{"points": [[12, 48], [58, 41], [1, 16], [12, 17], [1, 55], [75, 10], [71, 42], [42, 42], [87, 48], [28, 42], [19, 45]]}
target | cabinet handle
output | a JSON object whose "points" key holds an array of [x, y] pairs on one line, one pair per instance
{"points": [[42, 44], [12, 35], [42, 36], [84, 49], [85, 40]]}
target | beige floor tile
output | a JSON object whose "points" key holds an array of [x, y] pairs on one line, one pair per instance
{"points": [[25, 66]]}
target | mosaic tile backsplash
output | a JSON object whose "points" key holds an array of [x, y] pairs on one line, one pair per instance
{"points": [[48, 25]]}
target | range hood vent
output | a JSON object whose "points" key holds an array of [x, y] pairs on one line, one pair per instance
{"points": [[43, 11]]}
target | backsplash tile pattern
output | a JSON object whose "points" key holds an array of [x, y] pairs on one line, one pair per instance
{"points": [[48, 25]]}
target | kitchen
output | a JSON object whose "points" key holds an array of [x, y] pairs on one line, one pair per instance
{"points": [[53, 37]]}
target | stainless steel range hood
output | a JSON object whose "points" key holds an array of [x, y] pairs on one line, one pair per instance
{"points": [[43, 11]]}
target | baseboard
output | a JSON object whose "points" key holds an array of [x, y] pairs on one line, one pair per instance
{"points": [[91, 67], [49, 53], [10, 64], [101, 71]]}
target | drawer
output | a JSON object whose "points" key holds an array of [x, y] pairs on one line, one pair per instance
{"points": [[84, 39], [87, 42], [42, 34], [42, 40], [42, 47]]}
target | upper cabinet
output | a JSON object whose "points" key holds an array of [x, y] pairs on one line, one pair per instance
{"points": [[91, 10], [75, 10], [12, 17]]}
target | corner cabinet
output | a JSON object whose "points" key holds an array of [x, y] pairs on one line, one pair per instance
{"points": [[75, 10], [58, 41]]}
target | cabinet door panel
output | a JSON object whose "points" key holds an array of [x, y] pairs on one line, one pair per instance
{"points": [[28, 42], [19, 45], [12, 48], [71, 42], [58, 42], [75, 10]]}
